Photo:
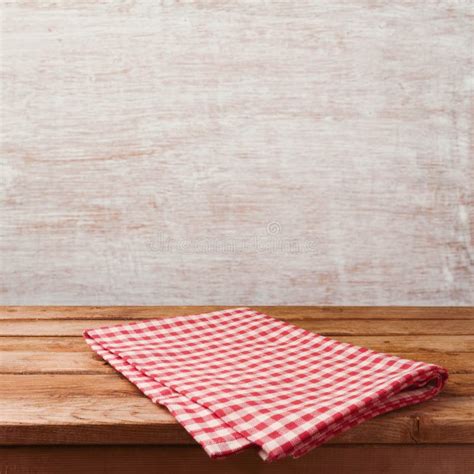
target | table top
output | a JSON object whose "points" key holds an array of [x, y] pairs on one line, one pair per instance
{"points": [[55, 390]]}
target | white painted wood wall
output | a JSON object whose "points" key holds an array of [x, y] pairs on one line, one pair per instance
{"points": [[225, 152]]}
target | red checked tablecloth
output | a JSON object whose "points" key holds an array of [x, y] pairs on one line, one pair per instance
{"points": [[238, 378]]}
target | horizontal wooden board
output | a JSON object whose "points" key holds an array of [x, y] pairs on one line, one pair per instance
{"points": [[459, 385], [33, 362], [422, 344], [97, 413], [135, 420], [286, 312], [327, 327], [72, 355], [46, 344], [367, 459], [408, 343], [94, 408], [17, 386]]}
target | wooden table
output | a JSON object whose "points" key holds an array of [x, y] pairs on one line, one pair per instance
{"points": [[65, 410]]}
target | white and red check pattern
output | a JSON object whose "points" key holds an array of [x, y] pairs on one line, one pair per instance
{"points": [[237, 378]]}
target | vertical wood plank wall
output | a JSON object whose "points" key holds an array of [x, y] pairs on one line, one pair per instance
{"points": [[237, 152]]}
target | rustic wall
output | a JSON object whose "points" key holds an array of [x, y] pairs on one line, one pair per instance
{"points": [[237, 152]]}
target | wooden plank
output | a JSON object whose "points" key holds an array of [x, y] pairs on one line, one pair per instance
{"points": [[13, 386], [63, 402], [86, 362], [419, 344], [132, 419], [422, 344], [325, 327], [45, 344], [367, 459], [101, 312], [285, 312], [60, 386], [421, 327], [135, 420], [460, 385], [72, 355], [35, 362]]}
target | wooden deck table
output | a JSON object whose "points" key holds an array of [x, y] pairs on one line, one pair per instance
{"points": [[64, 410]]}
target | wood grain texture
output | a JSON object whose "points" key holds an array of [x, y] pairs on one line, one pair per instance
{"points": [[47, 339], [69, 355], [291, 313], [183, 152], [60, 385], [102, 416], [367, 459], [63, 409], [333, 328], [55, 390]]}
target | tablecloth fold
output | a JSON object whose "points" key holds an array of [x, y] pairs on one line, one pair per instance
{"points": [[237, 378]]}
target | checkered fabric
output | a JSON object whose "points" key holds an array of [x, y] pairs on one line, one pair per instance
{"points": [[237, 378]]}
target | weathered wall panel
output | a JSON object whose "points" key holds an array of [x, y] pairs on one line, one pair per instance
{"points": [[237, 152]]}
